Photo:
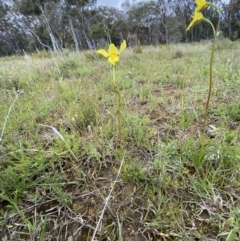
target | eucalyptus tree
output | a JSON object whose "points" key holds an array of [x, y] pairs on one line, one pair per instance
{"points": [[234, 9], [12, 34], [45, 15], [3, 12], [79, 14], [55, 19], [231, 16], [182, 11], [109, 25], [143, 19], [158, 21], [4, 40]]}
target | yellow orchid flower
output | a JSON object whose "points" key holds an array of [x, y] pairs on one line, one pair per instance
{"points": [[197, 17], [113, 53], [201, 4]]}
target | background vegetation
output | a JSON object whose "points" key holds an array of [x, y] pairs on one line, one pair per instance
{"points": [[32, 25]]}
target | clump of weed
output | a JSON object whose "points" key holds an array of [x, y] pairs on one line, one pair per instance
{"points": [[138, 131], [42, 54], [66, 52], [225, 44], [10, 82], [137, 50], [11, 58], [66, 67], [233, 111], [178, 54], [91, 56], [85, 115]]}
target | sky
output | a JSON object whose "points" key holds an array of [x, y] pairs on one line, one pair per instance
{"points": [[110, 3], [117, 3], [113, 3]]}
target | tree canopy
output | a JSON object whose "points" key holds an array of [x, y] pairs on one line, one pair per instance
{"points": [[31, 25]]}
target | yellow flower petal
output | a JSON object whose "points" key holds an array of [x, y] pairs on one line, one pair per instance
{"points": [[112, 49], [123, 46], [201, 4], [113, 58], [113, 54], [197, 17], [103, 52]]}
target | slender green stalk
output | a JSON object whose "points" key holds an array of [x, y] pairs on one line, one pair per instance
{"points": [[118, 103], [13, 202], [211, 70]]}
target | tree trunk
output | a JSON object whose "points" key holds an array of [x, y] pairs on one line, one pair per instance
{"points": [[73, 34], [53, 40], [88, 41]]}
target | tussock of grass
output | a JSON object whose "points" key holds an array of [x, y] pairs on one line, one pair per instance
{"points": [[59, 152]]}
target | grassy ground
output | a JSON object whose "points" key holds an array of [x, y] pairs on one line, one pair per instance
{"points": [[62, 175]]}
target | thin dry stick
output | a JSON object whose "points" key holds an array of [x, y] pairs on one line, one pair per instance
{"points": [[9, 111], [107, 200]]}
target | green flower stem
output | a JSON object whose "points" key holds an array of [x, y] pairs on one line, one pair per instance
{"points": [[219, 16], [118, 103], [210, 73]]}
